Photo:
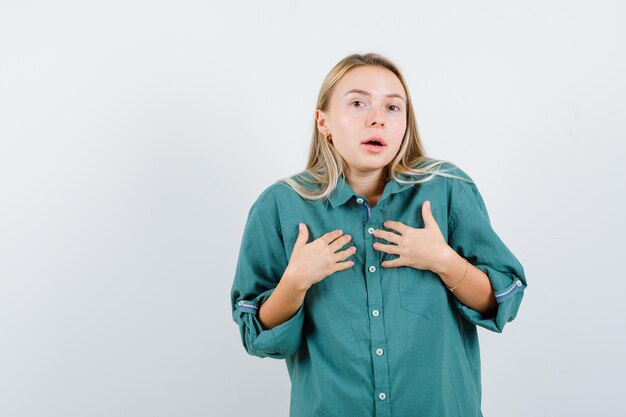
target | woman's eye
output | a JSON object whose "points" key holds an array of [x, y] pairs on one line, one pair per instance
{"points": [[359, 101]]}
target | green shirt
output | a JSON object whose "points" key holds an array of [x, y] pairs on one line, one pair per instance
{"points": [[369, 340]]}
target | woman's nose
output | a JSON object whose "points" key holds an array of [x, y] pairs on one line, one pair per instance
{"points": [[377, 120], [376, 117]]}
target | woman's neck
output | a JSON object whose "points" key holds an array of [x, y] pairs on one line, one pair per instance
{"points": [[369, 185]]}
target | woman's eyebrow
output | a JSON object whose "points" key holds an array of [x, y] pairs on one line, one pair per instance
{"points": [[356, 90]]}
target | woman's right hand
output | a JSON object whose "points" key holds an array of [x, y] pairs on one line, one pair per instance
{"points": [[312, 262]]}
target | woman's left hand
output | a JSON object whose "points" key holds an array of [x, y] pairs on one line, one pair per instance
{"points": [[418, 248]]}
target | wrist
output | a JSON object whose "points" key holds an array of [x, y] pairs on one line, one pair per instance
{"points": [[453, 270], [446, 262], [294, 282]]}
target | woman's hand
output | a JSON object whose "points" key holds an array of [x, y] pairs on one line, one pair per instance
{"points": [[312, 262], [418, 248]]}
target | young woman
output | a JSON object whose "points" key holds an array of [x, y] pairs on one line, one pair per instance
{"points": [[369, 271]]}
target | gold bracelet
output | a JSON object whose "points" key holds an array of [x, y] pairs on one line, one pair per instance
{"points": [[459, 283]]}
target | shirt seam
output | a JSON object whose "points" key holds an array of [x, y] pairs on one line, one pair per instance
{"points": [[264, 209], [456, 212]]}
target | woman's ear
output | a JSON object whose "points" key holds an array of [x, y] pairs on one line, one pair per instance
{"points": [[322, 124]]}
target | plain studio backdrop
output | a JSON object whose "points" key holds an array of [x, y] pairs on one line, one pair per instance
{"points": [[136, 135]]}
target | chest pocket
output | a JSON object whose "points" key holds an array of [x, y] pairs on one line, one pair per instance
{"points": [[421, 292]]}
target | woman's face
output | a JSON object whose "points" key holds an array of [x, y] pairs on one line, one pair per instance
{"points": [[368, 101]]}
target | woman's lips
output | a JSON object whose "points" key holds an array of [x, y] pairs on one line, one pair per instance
{"points": [[373, 148]]}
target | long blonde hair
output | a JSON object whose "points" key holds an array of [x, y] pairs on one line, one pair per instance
{"points": [[326, 165]]}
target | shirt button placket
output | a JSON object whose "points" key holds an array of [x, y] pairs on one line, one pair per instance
{"points": [[373, 281]]}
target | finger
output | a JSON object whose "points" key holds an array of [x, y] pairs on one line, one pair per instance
{"points": [[330, 236], [303, 235], [389, 236], [427, 214], [340, 242], [391, 264], [340, 266], [387, 248], [346, 253], [398, 226]]}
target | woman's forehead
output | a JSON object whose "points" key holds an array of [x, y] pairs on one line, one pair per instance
{"points": [[370, 81]]}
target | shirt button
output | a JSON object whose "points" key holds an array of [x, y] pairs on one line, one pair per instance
{"points": [[375, 313], [382, 395], [359, 200], [372, 268], [240, 302], [379, 352], [370, 230], [519, 283]]}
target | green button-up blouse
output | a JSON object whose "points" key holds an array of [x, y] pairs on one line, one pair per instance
{"points": [[368, 340]]}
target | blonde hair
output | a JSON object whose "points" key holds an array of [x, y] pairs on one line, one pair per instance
{"points": [[325, 165]]}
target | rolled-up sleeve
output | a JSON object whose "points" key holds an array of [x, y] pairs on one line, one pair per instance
{"points": [[472, 236], [261, 263]]}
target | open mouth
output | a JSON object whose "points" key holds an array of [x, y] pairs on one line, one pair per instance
{"points": [[374, 146], [373, 143]]}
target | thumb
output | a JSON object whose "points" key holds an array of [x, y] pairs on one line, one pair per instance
{"points": [[303, 235], [427, 214]]}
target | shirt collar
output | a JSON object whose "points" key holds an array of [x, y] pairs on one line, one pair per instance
{"points": [[344, 192]]}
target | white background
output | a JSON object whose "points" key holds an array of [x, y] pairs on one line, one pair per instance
{"points": [[135, 135]]}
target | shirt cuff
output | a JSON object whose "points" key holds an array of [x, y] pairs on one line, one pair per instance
{"points": [[278, 342], [508, 290]]}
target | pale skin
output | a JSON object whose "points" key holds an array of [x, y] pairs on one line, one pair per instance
{"points": [[383, 114]]}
